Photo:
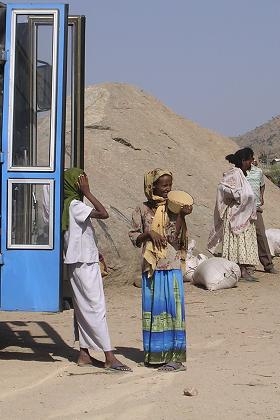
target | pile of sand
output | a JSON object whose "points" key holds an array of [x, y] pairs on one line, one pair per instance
{"points": [[128, 132]]}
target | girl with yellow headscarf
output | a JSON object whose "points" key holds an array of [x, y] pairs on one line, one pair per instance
{"points": [[162, 235]]}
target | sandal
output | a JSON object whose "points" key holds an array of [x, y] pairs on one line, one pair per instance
{"points": [[118, 367], [246, 274], [172, 367]]}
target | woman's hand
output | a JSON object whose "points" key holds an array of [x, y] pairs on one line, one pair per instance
{"points": [[185, 210], [83, 184], [157, 240]]}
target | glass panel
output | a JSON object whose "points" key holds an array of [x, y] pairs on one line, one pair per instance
{"points": [[30, 219], [33, 80], [74, 136]]}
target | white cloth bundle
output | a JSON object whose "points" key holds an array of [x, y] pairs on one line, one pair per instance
{"points": [[192, 262], [217, 273], [273, 239]]}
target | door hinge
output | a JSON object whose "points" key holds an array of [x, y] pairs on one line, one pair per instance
{"points": [[1, 259], [1, 157]]}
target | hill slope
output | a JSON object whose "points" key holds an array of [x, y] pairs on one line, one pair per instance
{"points": [[128, 132], [264, 139]]}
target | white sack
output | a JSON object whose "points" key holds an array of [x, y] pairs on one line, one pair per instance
{"points": [[217, 273], [192, 262], [273, 239]]}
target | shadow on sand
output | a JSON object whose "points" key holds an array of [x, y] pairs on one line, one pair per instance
{"points": [[131, 353], [43, 346]]}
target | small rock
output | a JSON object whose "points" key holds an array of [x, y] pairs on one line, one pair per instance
{"points": [[190, 392]]}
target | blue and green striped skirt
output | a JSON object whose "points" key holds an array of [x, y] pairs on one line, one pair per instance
{"points": [[163, 317]]}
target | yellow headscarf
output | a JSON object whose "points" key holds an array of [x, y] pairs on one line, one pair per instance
{"points": [[152, 254], [149, 179]]}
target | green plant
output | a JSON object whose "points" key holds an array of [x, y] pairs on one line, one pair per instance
{"points": [[273, 173]]}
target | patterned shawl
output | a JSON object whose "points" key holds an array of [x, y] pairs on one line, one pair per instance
{"points": [[234, 193]]}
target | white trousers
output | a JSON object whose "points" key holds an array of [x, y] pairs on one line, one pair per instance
{"points": [[89, 306]]}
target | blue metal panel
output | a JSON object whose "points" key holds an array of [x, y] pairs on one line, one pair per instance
{"points": [[30, 278], [30, 281]]}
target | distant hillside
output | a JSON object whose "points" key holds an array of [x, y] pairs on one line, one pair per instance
{"points": [[264, 139]]}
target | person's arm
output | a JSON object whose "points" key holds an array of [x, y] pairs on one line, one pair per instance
{"points": [[231, 195], [262, 194], [262, 188], [180, 218], [99, 211], [229, 189], [157, 240], [139, 237]]}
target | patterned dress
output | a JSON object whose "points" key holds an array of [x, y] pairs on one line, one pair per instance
{"points": [[163, 310], [243, 248]]}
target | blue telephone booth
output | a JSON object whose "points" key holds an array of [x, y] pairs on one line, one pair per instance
{"points": [[43, 86]]}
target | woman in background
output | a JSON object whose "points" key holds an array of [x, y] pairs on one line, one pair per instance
{"points": [[235, 214]]}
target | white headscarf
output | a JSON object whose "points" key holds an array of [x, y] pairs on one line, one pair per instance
{"points": [[235, 194]]}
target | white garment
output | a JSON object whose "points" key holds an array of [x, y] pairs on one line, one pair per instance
{"points": [[81, 255], [89, 306], [236, 198], [79, 241]]}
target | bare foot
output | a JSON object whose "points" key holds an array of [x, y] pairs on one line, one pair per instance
{"points": [[84, 357]]}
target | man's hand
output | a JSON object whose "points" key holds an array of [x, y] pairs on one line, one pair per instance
{"points": [[83, 184]]}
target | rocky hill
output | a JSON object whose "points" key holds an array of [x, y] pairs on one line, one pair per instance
{"points": [[128, 132], [264, 140]]}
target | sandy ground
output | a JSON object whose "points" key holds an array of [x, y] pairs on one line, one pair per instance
{"points": [[233, 361]]}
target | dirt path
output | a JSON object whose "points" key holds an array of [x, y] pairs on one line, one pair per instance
{"points": [[233, 361]]}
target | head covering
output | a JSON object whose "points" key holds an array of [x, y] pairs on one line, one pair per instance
{"points": [[71, 192], [149, 179], [234, 193], [152, 254]]}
